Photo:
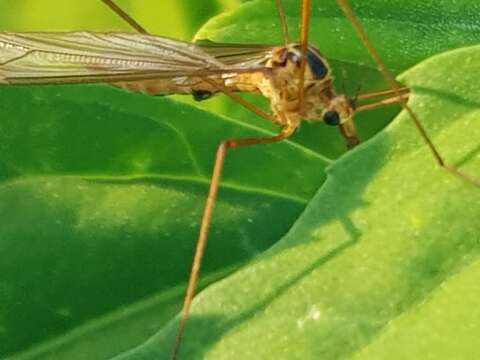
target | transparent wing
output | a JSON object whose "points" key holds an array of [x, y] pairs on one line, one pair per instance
{"points": [[237, 55], [29, 58]]}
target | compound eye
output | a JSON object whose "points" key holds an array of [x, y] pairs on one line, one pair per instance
{"points": [[331, 118]]}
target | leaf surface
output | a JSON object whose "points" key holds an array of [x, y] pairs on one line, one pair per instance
{"points": [[388, 247], [101, 193], [100, 201]]}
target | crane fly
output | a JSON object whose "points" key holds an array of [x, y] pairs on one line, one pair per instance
{"points": [[294, 76]]}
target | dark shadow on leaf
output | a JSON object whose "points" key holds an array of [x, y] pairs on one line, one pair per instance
{"points": [[456, 99], [204, 331], [86, 245]]}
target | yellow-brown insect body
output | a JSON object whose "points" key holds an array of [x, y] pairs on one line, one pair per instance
{"points": [[281, 86], [181, 85], [163, 66]]}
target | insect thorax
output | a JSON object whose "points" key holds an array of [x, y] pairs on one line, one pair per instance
{"points": [[281, 86]]}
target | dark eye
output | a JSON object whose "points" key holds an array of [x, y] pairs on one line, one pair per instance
{"points": [[314, 61], [331, 118], [319, 69]]}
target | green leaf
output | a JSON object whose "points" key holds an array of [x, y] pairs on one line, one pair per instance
{"points": [[445, 326], [389, 246], [97, 194], [182, 21], [101, 192]]}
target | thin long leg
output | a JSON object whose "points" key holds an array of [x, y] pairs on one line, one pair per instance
{"points": [[283, 22], [390, 92], [128, 19], [384, 102], [305, 27], [348, 128], [396, 89], [217, 171], [210, 202], [237, 98], [206, 219]]}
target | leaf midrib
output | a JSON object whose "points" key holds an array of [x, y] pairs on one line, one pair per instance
{"points": [[174, 178]]}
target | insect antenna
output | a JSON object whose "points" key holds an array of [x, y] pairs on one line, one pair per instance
{"points": [[343, 4], [283, 22], [128, 19], [304, 29]]}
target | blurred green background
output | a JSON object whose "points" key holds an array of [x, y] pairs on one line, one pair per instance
{"points": [[58, 15]]}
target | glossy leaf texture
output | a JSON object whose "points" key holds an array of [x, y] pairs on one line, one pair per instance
{"points": [[384, 261], [101, 193], [101, 199], [51, 144]]}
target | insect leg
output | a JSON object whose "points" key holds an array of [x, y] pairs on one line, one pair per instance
{"points": [[117, 10], [222, 149], [348, 128], [403, 90], [383, 102], [396, 90], [283, 21], [305, 27], [206, 219]]}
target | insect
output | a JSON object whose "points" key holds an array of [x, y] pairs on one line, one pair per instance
{"points": [[295, 77]]}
